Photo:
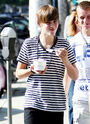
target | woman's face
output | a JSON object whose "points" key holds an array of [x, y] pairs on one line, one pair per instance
{"points": [[49, 28]]}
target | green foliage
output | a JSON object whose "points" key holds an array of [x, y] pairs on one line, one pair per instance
{"points": [[15, 2]]}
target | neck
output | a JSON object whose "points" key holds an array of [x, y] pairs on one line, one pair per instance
{"points": [[86, 33], [46, 41]]}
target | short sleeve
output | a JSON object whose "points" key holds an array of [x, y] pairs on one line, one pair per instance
{"points": [[22, 56], [71, 55]]}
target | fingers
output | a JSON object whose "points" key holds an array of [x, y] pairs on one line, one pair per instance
{"points": [[32, 67], [61, 52], [38, 71]]}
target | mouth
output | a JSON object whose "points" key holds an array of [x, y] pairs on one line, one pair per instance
{"points": [[87, 26], [52, 29]]}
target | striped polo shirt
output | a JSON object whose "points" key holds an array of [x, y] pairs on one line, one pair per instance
{"points": [[45, 91]]}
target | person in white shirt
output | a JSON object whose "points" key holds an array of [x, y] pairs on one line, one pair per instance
{"points": [[81, 46], [72, 29]]}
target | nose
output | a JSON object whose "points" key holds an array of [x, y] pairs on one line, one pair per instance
{"points": [[51, 24], [86, 20]]}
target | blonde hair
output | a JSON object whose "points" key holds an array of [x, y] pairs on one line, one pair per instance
{"points": [[72, 28], [47, 13]]}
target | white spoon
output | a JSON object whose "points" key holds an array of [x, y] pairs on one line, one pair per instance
{"points": [[51, 50]]}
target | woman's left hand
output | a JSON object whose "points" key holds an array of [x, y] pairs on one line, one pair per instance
{"points": [[62, 53]]}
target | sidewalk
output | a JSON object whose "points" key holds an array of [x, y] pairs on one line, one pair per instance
{"points": [[18, 90]]}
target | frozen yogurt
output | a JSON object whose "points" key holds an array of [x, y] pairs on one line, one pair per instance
{"points": [[39, 64]]}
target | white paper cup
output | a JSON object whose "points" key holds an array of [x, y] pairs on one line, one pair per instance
{"points": [[39, 64]]}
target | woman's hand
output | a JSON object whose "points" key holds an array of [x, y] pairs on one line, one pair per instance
{"points": [[38, 71], [62, 54], [71, 68]]}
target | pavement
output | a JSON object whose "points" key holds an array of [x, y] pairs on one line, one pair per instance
{"points": [[18, 91]]}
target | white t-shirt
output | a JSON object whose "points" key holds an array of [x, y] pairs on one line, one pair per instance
{"points": [[82, 53]]}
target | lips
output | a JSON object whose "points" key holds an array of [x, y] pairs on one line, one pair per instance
{"points": [[87, 25], [52, 29]]}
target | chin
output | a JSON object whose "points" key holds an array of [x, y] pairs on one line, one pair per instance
{"points": [[87, 27], [53, 33]]}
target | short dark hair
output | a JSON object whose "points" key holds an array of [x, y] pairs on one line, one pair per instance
{"points": [[47, 13]]}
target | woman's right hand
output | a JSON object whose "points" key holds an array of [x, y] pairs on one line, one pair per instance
{"points": [[38, 71]]}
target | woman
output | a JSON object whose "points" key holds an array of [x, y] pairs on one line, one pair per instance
{"points": [[72, 29], [45, 96]]}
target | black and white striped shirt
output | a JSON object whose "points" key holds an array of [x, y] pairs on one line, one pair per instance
{"points": [[45, 92]]}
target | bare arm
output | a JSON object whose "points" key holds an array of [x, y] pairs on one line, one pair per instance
{"points": [[66, 81], [21, 71], [71, 69]]}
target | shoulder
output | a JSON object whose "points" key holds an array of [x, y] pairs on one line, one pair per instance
{"points": [[61, 39], [62, 42], [67, 19], [30, 41], [75, 39]]}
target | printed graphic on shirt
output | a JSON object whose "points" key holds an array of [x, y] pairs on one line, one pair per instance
{"points": [[82, 54]]}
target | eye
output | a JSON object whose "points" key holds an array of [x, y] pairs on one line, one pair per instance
{"points": [[55, 21], [88, 17], [82, 17]]}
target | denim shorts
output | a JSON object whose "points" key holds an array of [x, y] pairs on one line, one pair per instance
{"points": [[34, 116], [81, 114]]}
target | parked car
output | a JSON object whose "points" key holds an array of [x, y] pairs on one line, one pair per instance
{"points": [[21, 29], [20, 25], [3, 20], [22, 19]]}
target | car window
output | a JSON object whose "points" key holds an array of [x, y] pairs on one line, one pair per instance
{"points": [[19, 26], [24, 22]]}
